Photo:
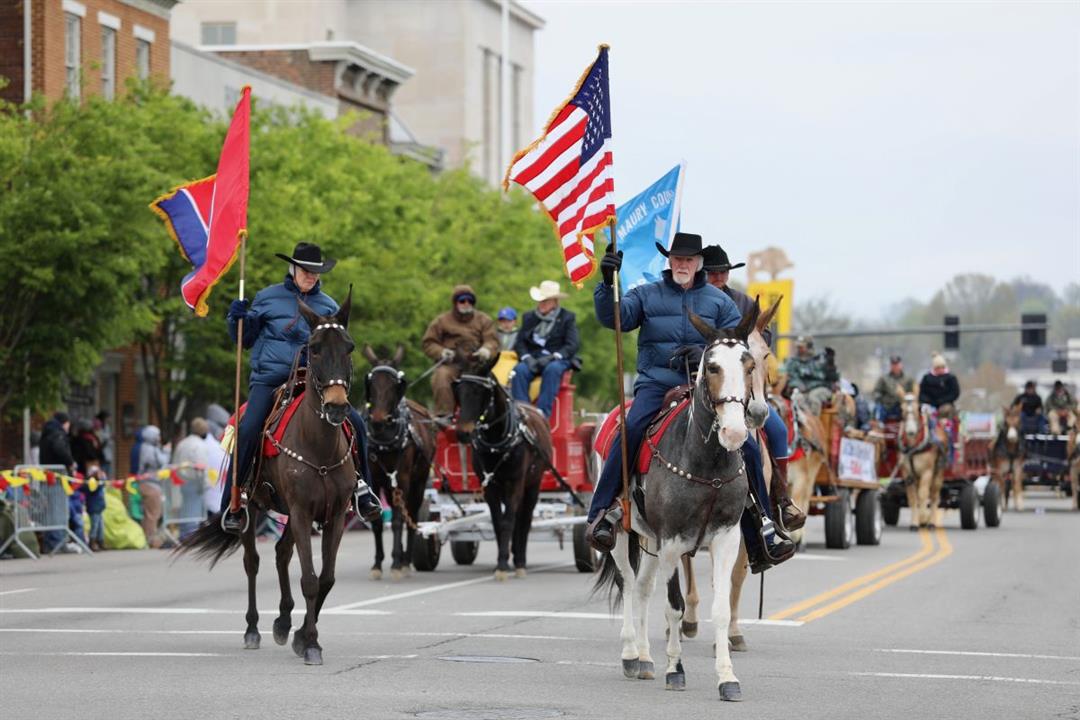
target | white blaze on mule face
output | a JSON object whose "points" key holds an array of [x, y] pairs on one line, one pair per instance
{"points": [[911, 424], [731, 415], [1012, 435]]}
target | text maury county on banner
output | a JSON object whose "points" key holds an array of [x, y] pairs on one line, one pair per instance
{"points": [[569, 169], [207, 217]]}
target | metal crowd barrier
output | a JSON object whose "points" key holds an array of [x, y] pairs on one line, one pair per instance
{"points": [[41, 507]]}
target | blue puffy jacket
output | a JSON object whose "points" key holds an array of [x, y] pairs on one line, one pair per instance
{"points": [[274, 330], [659, 309]]}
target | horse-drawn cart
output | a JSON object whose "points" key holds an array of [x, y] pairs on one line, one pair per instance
{"points": [[845, 489], [1047, 461], [455, 512], [972, 462]]}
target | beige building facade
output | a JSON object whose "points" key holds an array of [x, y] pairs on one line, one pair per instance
{"points": [[453, 99]]}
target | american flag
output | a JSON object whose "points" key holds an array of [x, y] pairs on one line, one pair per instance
{"points": [[569, 168]]}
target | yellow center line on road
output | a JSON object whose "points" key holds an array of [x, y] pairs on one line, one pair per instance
{"points": [[944, 551], [927, 548]]}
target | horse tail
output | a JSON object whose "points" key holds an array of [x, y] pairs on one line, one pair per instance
{"points": [[209, 542], [610, 580]]}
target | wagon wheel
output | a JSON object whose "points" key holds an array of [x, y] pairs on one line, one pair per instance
{"points": [[585, 558], [839, 521], [869, 523], [969, 506], [464, 551], [992, 504], [890, 508], [426, 551]]}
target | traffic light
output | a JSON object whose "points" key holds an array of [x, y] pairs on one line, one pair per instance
{"points": [[1033, 337], [952, 337]]}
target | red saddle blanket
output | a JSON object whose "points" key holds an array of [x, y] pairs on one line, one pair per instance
{"points": [[269, 449], [609, 429]]}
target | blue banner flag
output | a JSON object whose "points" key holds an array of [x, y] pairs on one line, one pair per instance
{"points": [[649, 218]]}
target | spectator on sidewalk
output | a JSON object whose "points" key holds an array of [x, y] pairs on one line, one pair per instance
{"points": [[105, 435], [89, 458], [191, 452], [56, 450], [152, 457]]}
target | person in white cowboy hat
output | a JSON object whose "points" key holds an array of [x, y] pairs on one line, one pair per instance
{"points": [[546, 345]]}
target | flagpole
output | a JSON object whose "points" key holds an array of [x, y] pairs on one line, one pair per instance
{"points": [[234, 497], [616, 290]]}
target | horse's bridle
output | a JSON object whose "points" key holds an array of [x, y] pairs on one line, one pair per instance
{"points": [[483, 423], [345, 382], [714, 403], [398, 415]]}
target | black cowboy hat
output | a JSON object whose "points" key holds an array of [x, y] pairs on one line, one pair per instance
{"points": [[716, 260], [309, 257], [684, 245]]}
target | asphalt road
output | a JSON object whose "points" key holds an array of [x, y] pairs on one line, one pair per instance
{"points": [[956, 624]]}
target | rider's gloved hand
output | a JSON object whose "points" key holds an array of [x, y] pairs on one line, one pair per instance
{"points": [[609, 264], [544, 360], [686, 355], [238, 309], [447, 355], [483, 354]]}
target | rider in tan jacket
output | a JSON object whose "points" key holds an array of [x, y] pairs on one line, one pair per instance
{"points": [[458, 334]]}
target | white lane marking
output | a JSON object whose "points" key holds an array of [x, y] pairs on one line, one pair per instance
{"points": [[994, 678], [129, 631], [428, 590], [600, 616], [973, 653], [115, 654], [16, 592], [159, 611]]}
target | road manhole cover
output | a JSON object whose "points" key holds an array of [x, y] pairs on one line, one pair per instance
{"points": [[489, 659], [489, 714]]}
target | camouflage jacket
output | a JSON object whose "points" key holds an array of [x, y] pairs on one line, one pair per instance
{"points": [[886, 392], [807, 374], [1065, 401]]}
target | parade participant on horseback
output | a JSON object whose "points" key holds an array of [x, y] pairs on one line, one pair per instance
{"points": [[546, 345], [811, 374], [890, 390], [717, 271], [275, 331], [940, 390], [462, 329], [667, 345]]}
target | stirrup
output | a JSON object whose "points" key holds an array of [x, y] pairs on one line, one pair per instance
{"points": [[247, 520]]}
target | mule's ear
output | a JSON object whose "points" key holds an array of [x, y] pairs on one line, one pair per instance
{"points": [[369, 354], [345, 309], [748, 323], [310, 316], [399, 355], [766, 318], [707, 331]]}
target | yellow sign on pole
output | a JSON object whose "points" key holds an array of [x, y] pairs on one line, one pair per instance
{"points": [[768, 292]]}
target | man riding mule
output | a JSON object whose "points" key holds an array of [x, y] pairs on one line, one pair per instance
{"points": [[668, 345], [718, 269], [277, 334], [463, 333]]}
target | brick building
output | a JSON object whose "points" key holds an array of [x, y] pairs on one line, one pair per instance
{"points": [[81, 47], [86, 47]]}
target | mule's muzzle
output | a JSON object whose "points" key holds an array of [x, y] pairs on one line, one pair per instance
{"points": [[757, 412], [336, 412]]}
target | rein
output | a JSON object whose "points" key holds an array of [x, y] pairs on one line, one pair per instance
{"points": [[512, 434]]}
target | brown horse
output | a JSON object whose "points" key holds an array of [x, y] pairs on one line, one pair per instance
{"points": [[923, 456], [401, 444], [1008, 453], [311, 480], [512, 447]]}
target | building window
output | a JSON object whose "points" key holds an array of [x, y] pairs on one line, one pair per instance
{"points": [[108, 63], [72, 49], [219, 33], [142, 58]]}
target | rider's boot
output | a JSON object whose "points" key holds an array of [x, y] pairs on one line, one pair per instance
{"points": [[790, 516], [235, 521], [600, 533], [365, 503], [772, 547]]}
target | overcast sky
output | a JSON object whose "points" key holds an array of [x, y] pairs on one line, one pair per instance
{"points": [[885, 147]]}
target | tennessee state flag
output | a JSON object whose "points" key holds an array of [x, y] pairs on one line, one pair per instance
{"points": [[207, 217]]}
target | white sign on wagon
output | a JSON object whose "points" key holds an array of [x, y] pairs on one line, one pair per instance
{"points": [[857, 461]]}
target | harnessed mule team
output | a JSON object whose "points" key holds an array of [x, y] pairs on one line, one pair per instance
{"points": [[697, 492]]}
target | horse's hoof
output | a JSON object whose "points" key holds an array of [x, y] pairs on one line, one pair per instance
{"points": [[630, 668], [396, 574], [298, 643], [689, 629], [281, 633], [646, 670], [313, 656], [730, 692], [375, 574], [252, 640], [501, 575], [519, 573], [737, 644], [675, 681]]}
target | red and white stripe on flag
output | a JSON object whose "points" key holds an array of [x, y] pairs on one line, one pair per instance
{"points": [[569, 169]]}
